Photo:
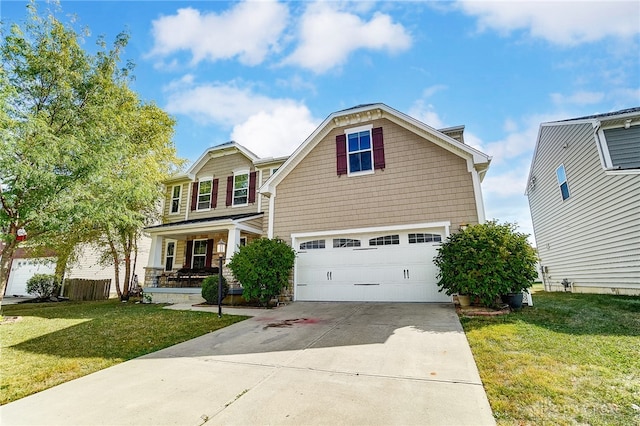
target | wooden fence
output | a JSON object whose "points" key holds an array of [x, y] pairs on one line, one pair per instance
{"points": [[83, 289]]}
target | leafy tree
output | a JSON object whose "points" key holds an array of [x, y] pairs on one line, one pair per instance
{"points": [[263, 268], [487, 261], [79, 153]]}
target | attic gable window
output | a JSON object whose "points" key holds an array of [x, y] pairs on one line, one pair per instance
{"points": [[562, 182], [359, 151]]}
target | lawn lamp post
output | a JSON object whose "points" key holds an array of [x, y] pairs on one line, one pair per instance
{"points": [[221, 250]]}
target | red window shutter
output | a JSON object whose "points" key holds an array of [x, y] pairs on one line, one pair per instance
{"points": [[229, 190], [189, 251], [194, 195], [214, 194], [341, 154], [207, 259], [378, 148], [252, 187]]}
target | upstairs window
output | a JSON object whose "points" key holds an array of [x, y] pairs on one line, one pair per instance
{"points": [[240, 189], [387, 240], [204, 194], [175, 199], [360, 152], [562, 182]]}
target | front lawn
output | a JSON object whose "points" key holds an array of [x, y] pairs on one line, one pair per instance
{"points": [[52, 343], [569, 359]]}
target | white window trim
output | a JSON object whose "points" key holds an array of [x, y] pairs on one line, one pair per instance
{"points": [[198, 209], [347, 132], [233, 198], [171, 199], [605, 156], [166, 251], [566, 179], [193, 252]]}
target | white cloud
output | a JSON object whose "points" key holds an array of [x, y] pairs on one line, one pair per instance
{"points": [[560, 22], [267, 126], [277, 132], [328, 35], [578, 98], [426, 113], [248, 31]]}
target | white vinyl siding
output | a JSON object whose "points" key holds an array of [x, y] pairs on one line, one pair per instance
{"points": [[601, 204]]}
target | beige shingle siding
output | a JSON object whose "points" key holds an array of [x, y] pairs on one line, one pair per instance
{"points": [[421, 183], [220, 168], [592, 238]]}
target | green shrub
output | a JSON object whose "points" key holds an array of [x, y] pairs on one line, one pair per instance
{"points": [[210, 289], [43, 286], [263, 267], [486, 261]]}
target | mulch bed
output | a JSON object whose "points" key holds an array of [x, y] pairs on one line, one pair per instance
{"points": [[481, 311]]}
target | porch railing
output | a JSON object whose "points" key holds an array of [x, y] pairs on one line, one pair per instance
{"points": [[185, 278]]}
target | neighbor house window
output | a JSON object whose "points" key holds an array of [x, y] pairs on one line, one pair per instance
{"points": [[175, 199], [385, 241], [359, 151], [169, 255], [562, 182], [204, 194], [312, 245], [240, 189], [199, 257]]}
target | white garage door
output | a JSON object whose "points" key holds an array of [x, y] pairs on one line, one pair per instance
{"points": [[375, 267], [23, 269]]}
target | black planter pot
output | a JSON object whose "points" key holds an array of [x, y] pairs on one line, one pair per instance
{"points": [[515, 300]]}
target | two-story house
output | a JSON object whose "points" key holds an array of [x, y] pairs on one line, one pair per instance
{"points": [[365, 201], [584, 196]]}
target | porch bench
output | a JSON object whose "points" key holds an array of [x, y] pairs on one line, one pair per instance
{"points": [[187, 277]]}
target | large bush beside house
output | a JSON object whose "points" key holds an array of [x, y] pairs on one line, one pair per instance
{"points": [[210, 289], [486, 261], [263, 268], [43, 286]]}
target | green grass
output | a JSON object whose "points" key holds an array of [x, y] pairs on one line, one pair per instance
{"points": [[53, 343], [570, 359]]}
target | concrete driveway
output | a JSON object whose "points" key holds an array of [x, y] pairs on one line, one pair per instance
{"points": [[301, 364]]}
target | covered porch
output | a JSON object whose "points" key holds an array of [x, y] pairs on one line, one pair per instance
{"points": [[184, 253]]}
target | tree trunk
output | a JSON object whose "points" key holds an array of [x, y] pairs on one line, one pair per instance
{"points": [[116, 265], [126, 246], [5, 264]]}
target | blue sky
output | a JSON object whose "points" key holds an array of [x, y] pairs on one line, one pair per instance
{"points": [[266, 73]]}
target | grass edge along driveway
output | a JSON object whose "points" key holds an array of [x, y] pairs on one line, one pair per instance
{"points": [[569, 359], [53, 343]]}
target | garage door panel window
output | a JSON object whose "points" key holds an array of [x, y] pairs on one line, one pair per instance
{"points": [[418, 238], [386, 240], [312, 245], [345, 242]]}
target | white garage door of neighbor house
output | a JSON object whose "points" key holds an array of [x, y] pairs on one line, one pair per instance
{"points": [[380, 267], [22, 270]]}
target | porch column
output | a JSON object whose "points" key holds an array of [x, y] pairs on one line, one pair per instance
{"points": [[233, 241], [155, 252]]}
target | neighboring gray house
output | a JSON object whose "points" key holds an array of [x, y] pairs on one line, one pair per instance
{"points": [[584, 196]]}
